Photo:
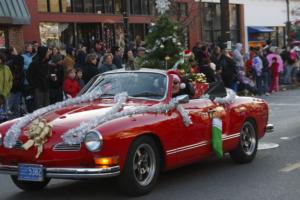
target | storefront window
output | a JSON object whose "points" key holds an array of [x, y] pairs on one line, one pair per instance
{"points": [[136, 7], [212, 22], [54, 6], [88, 6], [99, 6], [66, 6], [78, 6], [108, 6], [2, 39], [42, 6], [118, 7], [52, 34], [182, 9]]}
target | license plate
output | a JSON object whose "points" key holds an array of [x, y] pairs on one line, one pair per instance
{"points": [[29, 172]]}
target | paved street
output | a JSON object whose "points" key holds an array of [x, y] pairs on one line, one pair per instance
{"points": [[274, 174]]}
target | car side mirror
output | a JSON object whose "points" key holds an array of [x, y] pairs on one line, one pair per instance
{"points": [[182, 99]]}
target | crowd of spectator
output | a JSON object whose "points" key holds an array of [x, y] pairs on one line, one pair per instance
{"points": [[39, 75]]}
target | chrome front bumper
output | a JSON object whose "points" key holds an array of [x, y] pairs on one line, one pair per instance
{"points": [[68, 173]]}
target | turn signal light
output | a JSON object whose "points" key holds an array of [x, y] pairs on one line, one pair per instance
{"points": [[107, 161]]}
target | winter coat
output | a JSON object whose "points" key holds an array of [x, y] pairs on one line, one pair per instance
{"points": [[56, 72], [6, 80], [117, 61], [238, 57], [228, 70], [209, 73], [27, 61], [105, 68], [71, 87], [88, 72], [257, 65], [16, 67], [38, 71], [279, 60]]}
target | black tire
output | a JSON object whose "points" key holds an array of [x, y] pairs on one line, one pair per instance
{"points": [[30, 186], [247, 148], [135, 165]]}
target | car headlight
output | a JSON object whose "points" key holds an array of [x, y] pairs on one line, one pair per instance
{"points": [[93, 141], [1, 140]]}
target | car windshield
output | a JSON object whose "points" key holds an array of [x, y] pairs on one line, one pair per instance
{"points": [[136, 84]]}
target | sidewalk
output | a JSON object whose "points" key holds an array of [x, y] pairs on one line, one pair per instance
{"points": [[289, 87]]}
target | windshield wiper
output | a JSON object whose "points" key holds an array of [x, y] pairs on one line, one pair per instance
{"points": [[146, 94]]}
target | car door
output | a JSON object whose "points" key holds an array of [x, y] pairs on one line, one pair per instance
{"points": [[196, 139]]}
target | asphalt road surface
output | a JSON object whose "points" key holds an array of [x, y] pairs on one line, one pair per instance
{"points": [[274, 174]]}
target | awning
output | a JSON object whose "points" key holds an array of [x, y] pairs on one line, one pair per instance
{"points": [[14, 12], [259, 29]]}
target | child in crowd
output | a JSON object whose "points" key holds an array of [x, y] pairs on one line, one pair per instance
{"points": [[71, 86], [79, 78], [274, 75]]}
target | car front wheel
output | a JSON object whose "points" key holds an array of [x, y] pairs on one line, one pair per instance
{"points": [[141, 168], [247, 148], [29, 186]]}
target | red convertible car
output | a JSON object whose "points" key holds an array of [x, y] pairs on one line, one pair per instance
{"points": [[128, 124]]}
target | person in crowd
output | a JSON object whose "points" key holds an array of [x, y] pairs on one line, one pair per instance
{"points": [[130, 61], [99, 50], [56, 71], [228, 70], [257, 70], [117, 57], [71, 86], [275, 75], [6, 79], [89, 70], [27, 92], [208, 71], [79, 78], [69, 60], [238, 57], [35, 46], [196, 50], [16, 64], [290, 63], [266, 76], [107, 63], [275, 52], [217, 58], [203, 54], [55, 56], [38, 77], [140, 57], [81, 56], [180, 86]]}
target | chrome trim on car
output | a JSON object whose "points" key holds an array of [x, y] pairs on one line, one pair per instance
{"points": [[68, 173], [269, 128], [66, 147], [1, 140]]}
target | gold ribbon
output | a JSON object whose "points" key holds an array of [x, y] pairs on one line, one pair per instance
{"points": [[38, 134]]}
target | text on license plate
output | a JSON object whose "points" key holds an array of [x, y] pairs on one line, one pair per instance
{"points": [[29, 172]]}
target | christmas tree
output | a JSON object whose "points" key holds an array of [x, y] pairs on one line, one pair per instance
{"points": [[164, 44]]}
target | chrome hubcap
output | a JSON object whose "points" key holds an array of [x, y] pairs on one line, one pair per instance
{"points": [[144, 164], [248, 139]]}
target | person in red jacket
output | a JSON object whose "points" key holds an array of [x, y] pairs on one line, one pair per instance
{"points": [[275, 75], [71, 86]]}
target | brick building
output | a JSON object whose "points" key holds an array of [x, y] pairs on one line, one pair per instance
{"points": [[13, 16], [71, 22]]}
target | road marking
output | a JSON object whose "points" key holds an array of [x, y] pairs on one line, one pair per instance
{"points": [[291, 167], [285, 138]]}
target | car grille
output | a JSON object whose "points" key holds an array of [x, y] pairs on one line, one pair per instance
{"points": [[66, 147], [18, 145]]}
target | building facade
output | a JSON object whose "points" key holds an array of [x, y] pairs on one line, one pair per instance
{"points": [[13, 16], [72, 22]]}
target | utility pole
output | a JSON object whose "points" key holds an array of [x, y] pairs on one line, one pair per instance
{"points": [[288, 23], [225, 26], [125, 13]]}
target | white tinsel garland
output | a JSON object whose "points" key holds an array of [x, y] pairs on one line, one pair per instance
{"points": [[230, 97], [76, 135], [162, 6], [14, 132]]}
